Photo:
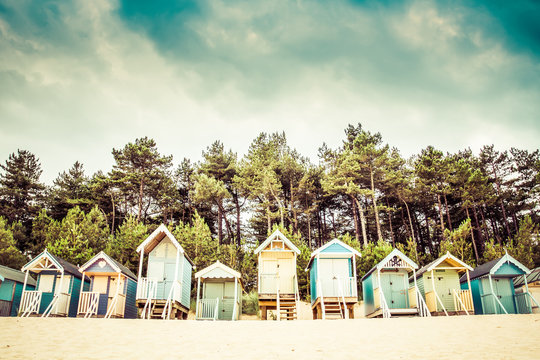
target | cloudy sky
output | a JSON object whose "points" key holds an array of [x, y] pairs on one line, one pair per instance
{"points": [[78, 78]]}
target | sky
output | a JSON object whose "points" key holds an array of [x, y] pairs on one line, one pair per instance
{"points": [[79, 78]]}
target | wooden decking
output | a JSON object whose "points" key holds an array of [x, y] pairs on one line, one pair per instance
{"points": [[394, 312], [178, 311], [287, 305], [333, 307]]}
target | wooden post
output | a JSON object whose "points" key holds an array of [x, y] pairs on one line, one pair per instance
{"points": [[355, 279], [416, 292], [493, 294], [60, 291], [526, 290], [235, 308], [80, 293], [198, 297], [434, 290]]}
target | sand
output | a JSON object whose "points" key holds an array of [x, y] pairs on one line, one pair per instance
{"points": [[462, 337]]}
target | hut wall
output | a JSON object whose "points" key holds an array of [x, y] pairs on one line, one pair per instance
{"points": [[368, 295], [186, 282], [313, 280], [287, 270], [130, 311], [7, 288]]}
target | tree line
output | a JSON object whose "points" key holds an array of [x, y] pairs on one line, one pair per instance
{"points": [[476, 206]]}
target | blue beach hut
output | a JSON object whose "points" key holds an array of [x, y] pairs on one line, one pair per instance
{"points": [[58, 286], [11, 286], [386, 288], [112, 289], [165, 290], [493, 290], [333, 287]]}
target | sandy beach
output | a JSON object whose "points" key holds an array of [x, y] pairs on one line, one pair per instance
{"points": [[478, 337]]}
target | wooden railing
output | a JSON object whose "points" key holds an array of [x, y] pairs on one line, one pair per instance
{"points": [[146, 288], [463, 301], [523, 303], [384, 306], [30, 302], [422, 307], [58, 306], [208, 309], [175, 295], [88, 303], [332, 286], [492, 304], [116, 307]]}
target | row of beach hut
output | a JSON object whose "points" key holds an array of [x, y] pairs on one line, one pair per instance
{"points": [[103, 287]]}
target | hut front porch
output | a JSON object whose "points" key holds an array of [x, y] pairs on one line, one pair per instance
{"points": [[394, 312], [157, 306], [287, 305], [334, 305]]}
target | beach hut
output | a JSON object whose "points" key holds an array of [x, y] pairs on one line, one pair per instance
{"points": [[386, 288], [332, 274], [277, 280], [11, 286], [221, 297], [166, 288], [438, 283], [531, 284], [492, 287], [112, 289], [58, 287]]}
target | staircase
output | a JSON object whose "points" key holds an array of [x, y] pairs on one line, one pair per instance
{"points": [[287, 308], [334, 310]]}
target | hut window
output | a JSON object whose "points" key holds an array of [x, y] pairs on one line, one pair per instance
{"points": [[46, 283]]}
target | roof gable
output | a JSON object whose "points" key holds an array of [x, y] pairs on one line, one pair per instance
{"points": [[49, 261], [218, 270], [115, 265], [335, 246], [395, 260], [492, 268], [155, 238], [447, 260], [277, 235]]}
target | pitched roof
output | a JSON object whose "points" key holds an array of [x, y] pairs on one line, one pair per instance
{"points": [[60, 264], [15, 275], [155, 238], [532, 277], [327, 245], [432, 265], [114, 264], [277, 234], [218, 265], [383, 262], [492, 266]]}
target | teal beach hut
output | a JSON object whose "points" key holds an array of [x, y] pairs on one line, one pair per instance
{"points": [[386, 288], [112, 289], [333, 286], [492, 287], [11, 286], [58, 286], [165, 290], [221, 296]]}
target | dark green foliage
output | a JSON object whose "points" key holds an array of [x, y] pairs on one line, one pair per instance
{"points": [[9, 254]]}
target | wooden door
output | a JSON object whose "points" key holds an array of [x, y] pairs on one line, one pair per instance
{"points": [[394, 290], [268, 276], [503, 291], [331, 271], [286, 275], [443, 286]]}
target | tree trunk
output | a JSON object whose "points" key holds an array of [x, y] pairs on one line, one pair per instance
{"points": [[410, 220], [472, 236], [440, 212], [375, 210], [238, 221], [141, 191], [355, 218], [224, 217], [480, 237], [447, 213], [390, 222], [113, 214], [362, 221], [220, 223]]}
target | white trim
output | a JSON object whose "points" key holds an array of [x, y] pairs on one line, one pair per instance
{"points": [[221, 266], [508, 258], [103, 256], [45, 254], [277, 235], [335, 241], [399, 254], [448, 256], [161, 229]]}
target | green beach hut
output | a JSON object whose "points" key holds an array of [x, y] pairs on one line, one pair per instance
{"points": [[492, 287], [439, 284], [221, 297], [11, 286], [386, 288]]}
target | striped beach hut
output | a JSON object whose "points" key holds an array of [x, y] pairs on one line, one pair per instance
{"points": [[386, 288], [492, 287], [165, 290], [277, 279], [530, 284], [58, 287], [221, 296], [112, 289], [332, 274], [438, 283], [11, 286]]}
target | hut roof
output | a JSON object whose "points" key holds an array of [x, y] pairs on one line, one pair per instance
{"points": [[492, 266], [114, 264], [155, 238], [59, 264], [277, 235], [350, 251], [532, 277], [387, 263], [15, 275], [205, 273], [446, 257]]}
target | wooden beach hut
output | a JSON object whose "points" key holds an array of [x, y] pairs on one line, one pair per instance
{"points": [[531, 284], [438, 283], [332, 274], [277, 280], [11, 286], [58, 287], [221, 297], [386, 288], [165, 290], [492, 287], [112, 289]]}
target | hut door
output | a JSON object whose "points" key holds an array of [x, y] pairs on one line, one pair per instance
{"points": [[394, 290], [286, 276], [268, 276], [215, 291], [503, 290], [168, 279], [330, 271]]}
